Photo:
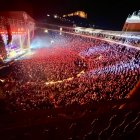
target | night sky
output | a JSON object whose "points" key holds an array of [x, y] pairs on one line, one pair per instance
{"points": [[111, 14]]}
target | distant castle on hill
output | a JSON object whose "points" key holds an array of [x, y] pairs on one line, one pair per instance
{"points": [[81, 14]]}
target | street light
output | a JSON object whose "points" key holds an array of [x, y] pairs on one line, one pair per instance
{"points": [[55, 16]]}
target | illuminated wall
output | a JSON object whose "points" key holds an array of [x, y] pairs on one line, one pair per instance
{"points": [[132, 22]]}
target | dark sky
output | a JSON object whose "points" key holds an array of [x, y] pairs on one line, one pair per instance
{"points": [[107, 12]]}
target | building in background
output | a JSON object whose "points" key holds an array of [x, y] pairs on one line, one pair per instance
{"points": [[21, 27], [81, 14], [132, 22]]}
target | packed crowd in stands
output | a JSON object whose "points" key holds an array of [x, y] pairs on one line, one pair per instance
{"points": [[127, 40], [122, 37], [73, 70]]}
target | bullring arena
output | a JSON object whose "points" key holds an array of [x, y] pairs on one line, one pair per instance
{"points": [[73, 85]]}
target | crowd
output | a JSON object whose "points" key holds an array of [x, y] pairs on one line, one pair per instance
{"points": [[121, 37], [52, 76]]}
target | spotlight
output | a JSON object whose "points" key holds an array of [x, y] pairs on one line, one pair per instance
{"points": [[46, 31]]}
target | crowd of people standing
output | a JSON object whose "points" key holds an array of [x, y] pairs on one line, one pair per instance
{"points": [[74, 69]]}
